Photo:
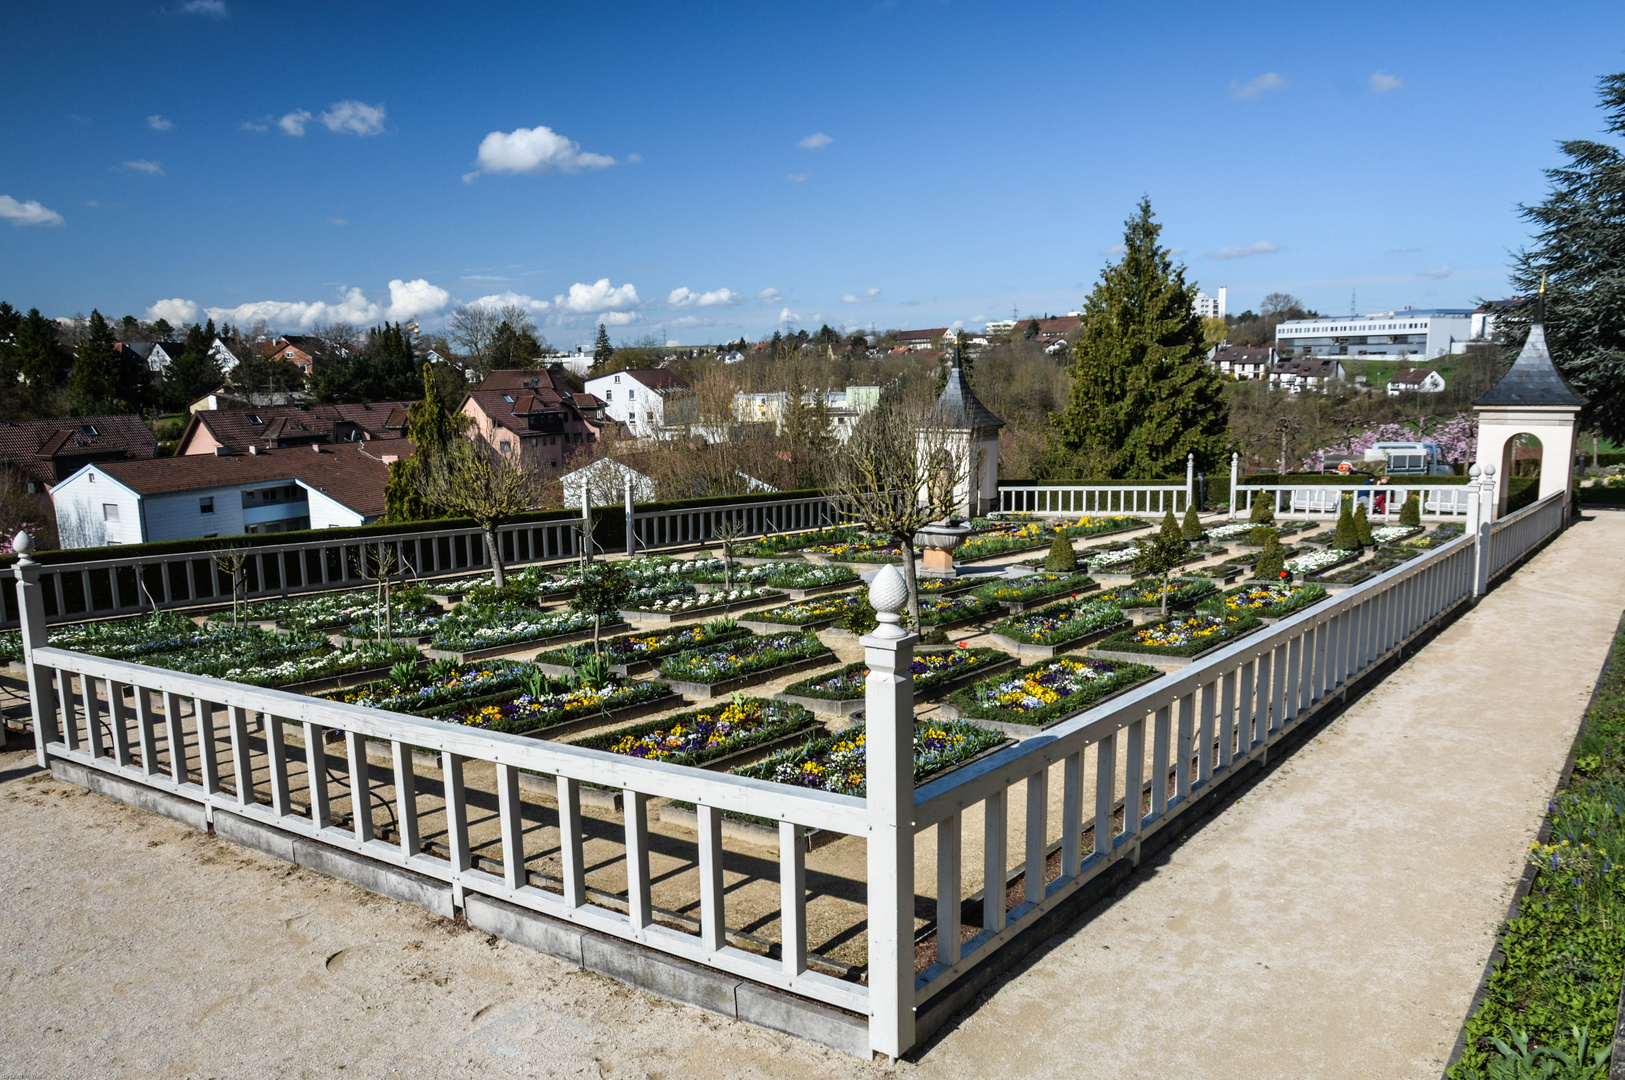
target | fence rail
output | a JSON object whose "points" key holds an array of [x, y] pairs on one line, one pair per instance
{"points": [[1125, 770], [1383, 502], [664, 529]]}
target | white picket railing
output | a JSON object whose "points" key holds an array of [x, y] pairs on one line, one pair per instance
{"points": [[1085, 498], [1163, 745], [1383, 502]]}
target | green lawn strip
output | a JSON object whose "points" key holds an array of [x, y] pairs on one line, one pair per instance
{"points": [[1192, 633], [1048, 690], [929, 671], [1563, 951], [702, 735]]}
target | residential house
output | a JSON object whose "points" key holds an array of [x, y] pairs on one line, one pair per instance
{"points": [[647, 401], [223, 356], [261, 491], [843, 407], [917, 340], [604, 482], [43, 453], [1243, 361], [531, 412], [301, 350], [1306, 373], [1415, 381], [157, 355], [270, 427]]}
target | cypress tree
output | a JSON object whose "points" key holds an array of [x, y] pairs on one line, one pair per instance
{"points": [[1170, 527], [1345, 538], [432, 428], [1061, 558], [1191, 527], [1362, 526], [1410, 511], [1272, 560], [1142, 397], [1580, 243]]}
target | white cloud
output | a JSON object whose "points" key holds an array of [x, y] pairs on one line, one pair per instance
{"points": [[409, 299], [684, 297], [673, 342], [159, 123], [254, 125], [769, 296], [354, 118], [634, 158], [618, 318], [1382, 82], [864, 297], [173, 311], [599, 296], [816, 141], [1176, 252], [1437, 273], [294, 123], [150, 168], [27, 213], [213, 9], [796, 177], [512, 299], [537, 150], [1257, 87], [1262, 247], [338, 221], [787, 317], [1115, 249]]}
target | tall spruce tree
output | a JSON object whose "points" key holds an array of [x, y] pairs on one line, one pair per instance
{"points": [[1142, 398], [1579, 245], [602, 350], [194, 372], [95, 382], [41, 361]]}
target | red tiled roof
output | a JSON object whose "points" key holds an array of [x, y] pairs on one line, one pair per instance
{"points": [[657, 378], [522, 379], [49, 449], [237, 429], [1411, 375], [349, 473]]}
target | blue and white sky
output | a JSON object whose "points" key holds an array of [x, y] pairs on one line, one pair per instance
{"points": [[705, 171]]}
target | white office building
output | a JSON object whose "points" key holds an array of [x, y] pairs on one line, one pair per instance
{"points": [[1427, 334], [1211, 307]]}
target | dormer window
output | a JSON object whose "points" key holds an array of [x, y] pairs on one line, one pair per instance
{"points": [[254, 418], [89, 429]]}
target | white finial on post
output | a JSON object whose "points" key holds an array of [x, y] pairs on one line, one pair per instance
{"points": [[889, 748], [1235, 482], [31, 615]]}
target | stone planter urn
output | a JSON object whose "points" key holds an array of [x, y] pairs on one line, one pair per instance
{"points": [[938, 541]]}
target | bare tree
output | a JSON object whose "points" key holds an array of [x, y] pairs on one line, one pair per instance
{"points": [[472, 327], [341, 338], [232, 561], [899, 472], [474, 481], [382, 563]]}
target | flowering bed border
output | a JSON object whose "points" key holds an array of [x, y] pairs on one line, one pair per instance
{"points": [[752, 678], [1122, 646], [343, 680], [1279, 611], [534, 643], [1028, 652], [794, 725], [763, 625], [1126, 676], [924, 689], [568, 724], [669, 617], [1012, 607], [555, 664]]}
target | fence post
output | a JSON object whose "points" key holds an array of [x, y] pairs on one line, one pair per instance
{"points": [[889, 702], [1235, 482], [586, 522], [31, 612], [1483, 492], [631, 533], [1190, 480]]}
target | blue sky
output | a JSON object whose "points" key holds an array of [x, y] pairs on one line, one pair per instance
{"points": [[702, 172]]}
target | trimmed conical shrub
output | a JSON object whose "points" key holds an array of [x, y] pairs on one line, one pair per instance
{"points": [[1362, 526], [1192, 525], [1272, 560], [1410, 511], [1263, 511], [1170, 526], [1061, 558], [1346, 538]]}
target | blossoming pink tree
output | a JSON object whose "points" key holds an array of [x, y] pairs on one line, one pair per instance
{"points": [[1458, 436]]}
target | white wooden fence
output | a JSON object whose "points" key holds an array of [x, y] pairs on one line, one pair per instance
{"points": [[1126, 498], [1146, 757], [1383, 502]]}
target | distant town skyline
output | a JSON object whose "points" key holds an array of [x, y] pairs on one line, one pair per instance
{"points": [[706, 175]]}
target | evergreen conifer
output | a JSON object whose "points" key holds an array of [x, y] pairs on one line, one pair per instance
{"points": [[1410, 511], [1346, 538], [1263, 510], [1170, 527], [40, 360], [1191, 527], [1061, 558], [1272, 560], [602, 350], [432, 428], [1142, 395], [1362, 526], [95, 369]]}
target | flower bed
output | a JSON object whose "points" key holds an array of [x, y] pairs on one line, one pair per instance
{"points": [[1113, 559], [777, 575], [839, 764], [439, 684], [466, 628], [630, 651], [1183, 637], [359, 608], [1034, 587], [319, 664], [769, 547], [526, 713], [1233, 531], [691, 601], [1047, 691], [1148, 593], [1319, 560], [866, 548], [1272, 600], [694, 738], [119, 639], [1353, 575], [823, 609], [1020, 538], [929, 670], [1248, 560], [1445, 533], [741, 656], [264, 657], [951, 610], [1389, 534], [1059, 623]]}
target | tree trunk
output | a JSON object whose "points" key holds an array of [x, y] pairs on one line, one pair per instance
{"points": [[389, 611], [495, 551], [912, 582], [596, 620]]}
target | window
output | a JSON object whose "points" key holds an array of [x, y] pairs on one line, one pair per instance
{"points": [[205, 505], [631, 394], [508, 398], [617, 380], [109, 511], [505, 446], [609, 395], [254, 418], [89, 429]]}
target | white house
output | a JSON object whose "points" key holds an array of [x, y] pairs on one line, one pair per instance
{"points": [[1415, 381], [204, 495], [646, 400], [605, 482], [222, 355]]}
